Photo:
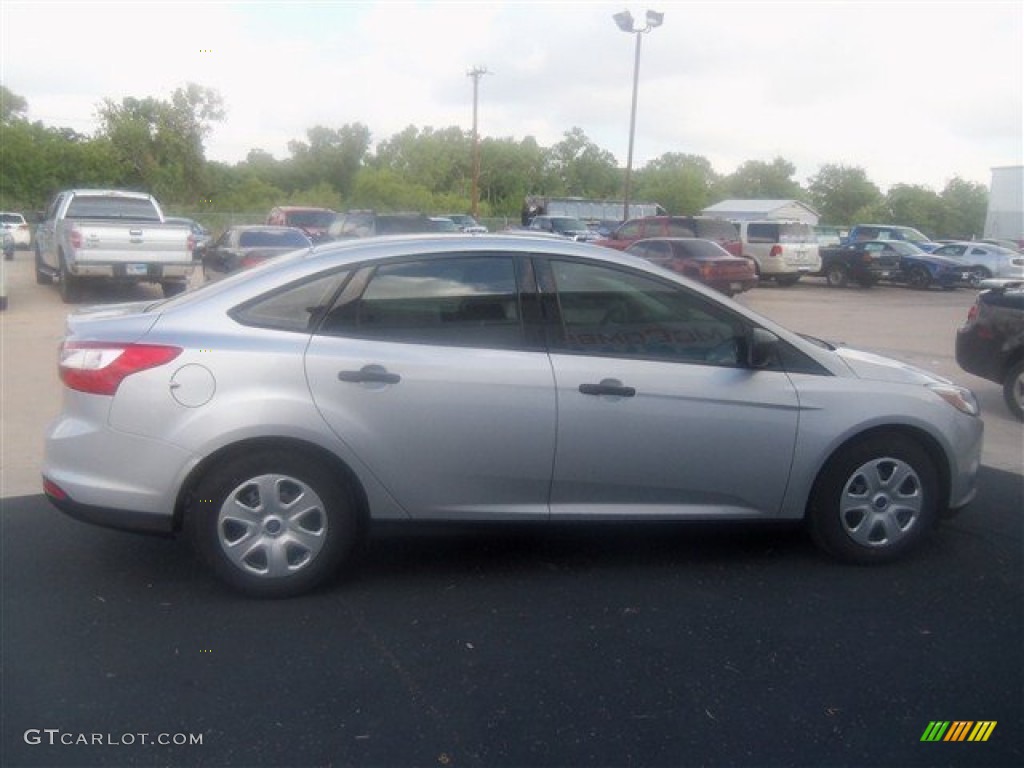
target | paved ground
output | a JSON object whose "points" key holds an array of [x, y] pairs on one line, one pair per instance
{"points": [[530, 646]]}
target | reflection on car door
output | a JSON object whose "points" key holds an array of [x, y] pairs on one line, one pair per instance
{"points": [[422, 370], [656, 415]]}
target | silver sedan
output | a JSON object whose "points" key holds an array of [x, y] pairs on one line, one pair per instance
{"points": [[273, 415], [984, 260]]}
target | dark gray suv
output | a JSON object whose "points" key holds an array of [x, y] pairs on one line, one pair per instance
{"points": [[371, 224]]}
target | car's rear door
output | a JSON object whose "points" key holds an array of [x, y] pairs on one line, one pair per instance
{"points": [[424, 369]]}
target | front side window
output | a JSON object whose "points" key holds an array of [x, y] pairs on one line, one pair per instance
{"points": [[609, 311], [452, 301]]}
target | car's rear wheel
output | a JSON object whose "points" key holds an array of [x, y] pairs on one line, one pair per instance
{"points": [[42, 276], [919, 279], [787, 280], [836, 276], [1013, 390], [273, 523], [70, 285], [875, 500], [173, 287]]}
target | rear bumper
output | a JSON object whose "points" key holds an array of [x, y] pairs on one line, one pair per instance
{"points": [[120, 519], [140, 271]]}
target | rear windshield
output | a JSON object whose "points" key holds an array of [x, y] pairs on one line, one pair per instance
{"points": [[282, 239], [317, 219], [700, 249], [716, 229], [796, 232], [12, 218], [103, 207]]}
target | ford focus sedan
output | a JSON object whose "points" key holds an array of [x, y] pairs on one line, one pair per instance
{"points": [[273, 415]]}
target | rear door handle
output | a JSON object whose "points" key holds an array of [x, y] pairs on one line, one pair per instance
{"points": [[369, 374], [612, 387]]}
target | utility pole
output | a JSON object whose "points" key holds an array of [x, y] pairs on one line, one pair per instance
{"points": [[476, 73]]}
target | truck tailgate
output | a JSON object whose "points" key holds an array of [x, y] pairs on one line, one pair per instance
{"points": [[131, 242]]}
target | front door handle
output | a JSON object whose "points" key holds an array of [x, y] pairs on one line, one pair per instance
{"points": [[612, 387], [369, 374]]}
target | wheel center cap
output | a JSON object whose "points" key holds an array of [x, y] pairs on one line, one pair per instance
{"points": [[272, 526], [881, 502]]}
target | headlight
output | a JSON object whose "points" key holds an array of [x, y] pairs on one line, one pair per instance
{"points": [[960, 398]]}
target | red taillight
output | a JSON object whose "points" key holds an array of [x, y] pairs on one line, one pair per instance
{"points": [[53, 490], [972, 313], [75, 237], [99, 368], [775, 252]]}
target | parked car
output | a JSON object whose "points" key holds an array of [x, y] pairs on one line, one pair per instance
{"points": [[367, 223], [865, 263], [861, 232], [274, 414], [15, 224], [783, 251], [199, 232], [720, 231], [990, 344], [314, 222], [466, 223], [701, 260], [566, 226], [444, 224], [246, 245], [1010, 245], [984, 260], [921, 270]]}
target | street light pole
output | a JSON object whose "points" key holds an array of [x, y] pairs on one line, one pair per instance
{"points": [[476, 73], [624, 20]]}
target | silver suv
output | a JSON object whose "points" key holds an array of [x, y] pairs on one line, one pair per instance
{"points": [[781, 250]]}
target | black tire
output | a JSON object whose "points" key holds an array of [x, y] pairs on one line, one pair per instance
{"points": [[836, 276], [919, 279], [173, 287], [874, 500], [70, 285], [1013, 390], [977, 275], [787, 280], [249, 498]]}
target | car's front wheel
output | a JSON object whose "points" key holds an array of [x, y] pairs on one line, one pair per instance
{"points": [[875, 500], [273, 523], [977, 275], [1013, 390], [919, 279]]}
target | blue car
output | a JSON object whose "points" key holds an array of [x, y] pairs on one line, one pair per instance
{"points": [[921, 270]]}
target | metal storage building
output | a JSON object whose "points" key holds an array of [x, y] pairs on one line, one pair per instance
{"points": [[750, 210]]}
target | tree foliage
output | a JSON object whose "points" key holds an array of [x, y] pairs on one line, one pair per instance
{"points": [[158, 145]]}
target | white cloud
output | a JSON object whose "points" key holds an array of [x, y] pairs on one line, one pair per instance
{"points": [[913, 92]]}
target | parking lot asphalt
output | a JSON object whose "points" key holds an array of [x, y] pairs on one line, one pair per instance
{"points": [[640, 645]]}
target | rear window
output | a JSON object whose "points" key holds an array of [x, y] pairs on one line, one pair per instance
{"points": [[716, 229], [700, 249], [11, 218], [105, 207]]}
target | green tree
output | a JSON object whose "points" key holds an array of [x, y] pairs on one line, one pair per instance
{"points": [[841, 193], [12, 106], [915, 206], [328, 156], [757, 180], [578, 167], [159, 144], [680, 183], [439, 160], [965, 205]]}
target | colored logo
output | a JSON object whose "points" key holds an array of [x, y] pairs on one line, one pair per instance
{"points": [[958, 730]]}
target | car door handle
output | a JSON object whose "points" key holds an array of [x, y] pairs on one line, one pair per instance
{"points": [[369, 374], [608, 387]]}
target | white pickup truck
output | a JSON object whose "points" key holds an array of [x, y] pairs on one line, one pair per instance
{"points": [[114, 235]]}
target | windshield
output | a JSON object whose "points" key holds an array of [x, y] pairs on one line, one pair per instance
{"points": [[270, 239], [317, 219], [904, 248], [796, 232], [566, 224]]}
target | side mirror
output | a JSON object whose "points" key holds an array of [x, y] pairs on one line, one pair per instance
{"points": [[761, 348]]}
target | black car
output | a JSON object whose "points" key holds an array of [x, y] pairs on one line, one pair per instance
{"points": [[864, 263], [991, 343], [246, 246]]}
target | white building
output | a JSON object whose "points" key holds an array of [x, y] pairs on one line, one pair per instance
{"points": [[751, 210], [1005, 218]]}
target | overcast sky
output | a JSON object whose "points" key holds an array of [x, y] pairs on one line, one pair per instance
{"points": [[912, 92]]}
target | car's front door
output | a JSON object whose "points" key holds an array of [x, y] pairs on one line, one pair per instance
{"points": [[657, 413], [422, 369]]}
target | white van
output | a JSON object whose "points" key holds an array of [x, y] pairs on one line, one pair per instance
{"points": [[783, 251]]}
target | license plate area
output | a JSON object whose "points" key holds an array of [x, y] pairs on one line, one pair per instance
{"points": [[136, 270]]}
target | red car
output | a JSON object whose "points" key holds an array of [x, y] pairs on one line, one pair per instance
{"points": [[719, 231], [701, 260]]}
